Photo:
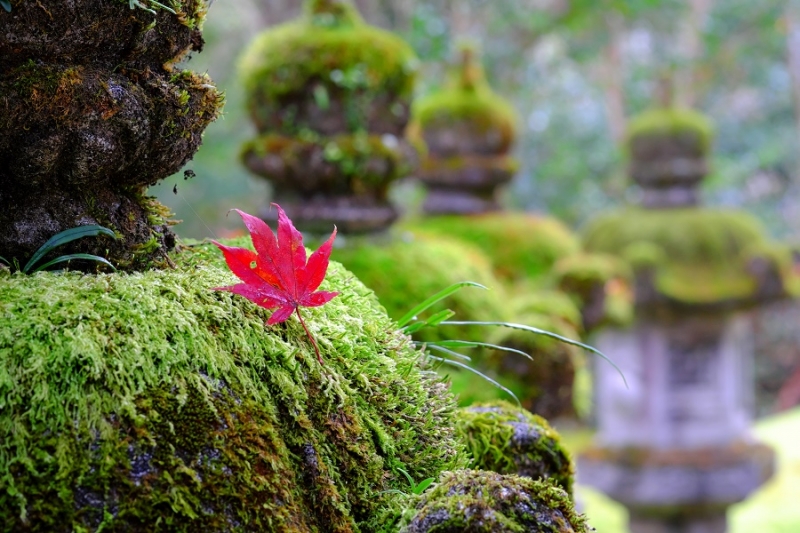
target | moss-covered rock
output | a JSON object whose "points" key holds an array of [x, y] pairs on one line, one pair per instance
{"points": [[466, 117], [474, 501], [545, 383], [329, 72], [693, 255], [600, 285], [91, 120], [506, 439], [135, 402], [100, 32], [521, 246], [404, 270], [370, 160], [668, 132]]}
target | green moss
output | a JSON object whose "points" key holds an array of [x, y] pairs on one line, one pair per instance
{"points": [[545, 384], [510, 440], [366, 158], [134, 399], [333, 47], [703, 253], [487, 502], [461, 162], [466, 98], [406, 270], [550, 303], [672, 122], [522, 246]]}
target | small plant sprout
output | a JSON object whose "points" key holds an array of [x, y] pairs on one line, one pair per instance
{"points": [[410, 323], [60, 239]]}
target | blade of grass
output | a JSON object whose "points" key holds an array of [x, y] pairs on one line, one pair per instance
{"points": [[432, 321], [471, 344], [474, 371], [436, 298], [538, 331], [70, 257], [64, 237], [449, 352]]}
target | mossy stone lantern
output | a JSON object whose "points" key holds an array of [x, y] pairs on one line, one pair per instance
{"points": [[675, 446], [93, 113], [330, 97], [469, 131]]}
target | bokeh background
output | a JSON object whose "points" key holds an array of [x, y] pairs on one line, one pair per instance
{"points": [[576, 71]]}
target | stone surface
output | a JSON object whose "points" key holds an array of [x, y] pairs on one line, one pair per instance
{"points": [[688, 384]]}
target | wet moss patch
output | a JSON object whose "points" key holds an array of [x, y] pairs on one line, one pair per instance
{"points": [[138, 399]]}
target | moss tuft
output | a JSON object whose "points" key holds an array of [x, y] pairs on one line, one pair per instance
{"points": [[406, 270], [372, 160], [522, 246], [702, 254], [333, 54], [487, 502], [672, 122], [467, 97], [506, 439], [135, 399]]}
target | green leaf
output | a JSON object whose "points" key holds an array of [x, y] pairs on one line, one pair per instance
{"points": [[538, 331], [474, 371], [436, 298], [3, 259], [433, 321], [422, 485], [408, 477], [64, 237], [321, 97], [70, 257], [471, 344], [6, 5]]}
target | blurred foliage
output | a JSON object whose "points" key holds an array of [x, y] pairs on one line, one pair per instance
{"points": [[548, 57]]}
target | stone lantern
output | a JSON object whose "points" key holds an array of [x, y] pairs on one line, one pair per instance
{"points": [[675, 446], [92, 112], [330, 97], [469, 131]]}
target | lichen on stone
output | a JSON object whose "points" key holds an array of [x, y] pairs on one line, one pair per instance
{"points": [[691, 128], [329, 57], [135, 399], [695, 255], [523, 247], [466, 103], [476, 501], [506, 439]]}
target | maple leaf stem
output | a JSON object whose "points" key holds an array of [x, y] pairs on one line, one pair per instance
{"points": [[310, 336]]}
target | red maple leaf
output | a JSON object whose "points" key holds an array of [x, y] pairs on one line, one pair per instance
{"points": [[277, 275]]}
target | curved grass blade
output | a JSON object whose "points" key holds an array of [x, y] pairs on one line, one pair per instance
{"points": [[471, 344], [4, 260], [538, 331], [432, 321], [64, 237], [422, 485], [436, 298], [449, 352], [481, 374], [65, 258]]}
